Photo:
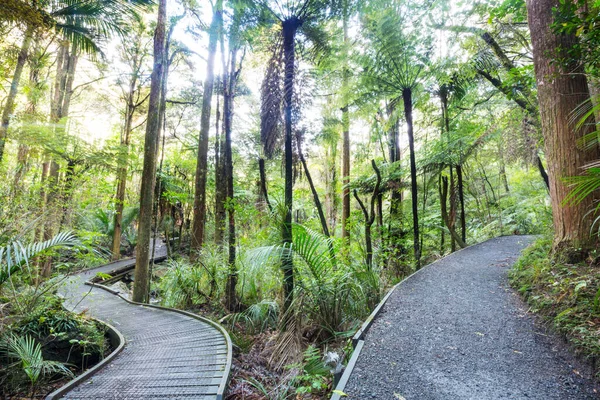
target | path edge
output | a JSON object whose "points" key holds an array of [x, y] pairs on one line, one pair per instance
{"points": [[226, 372], [116, 338], [358, 339]]}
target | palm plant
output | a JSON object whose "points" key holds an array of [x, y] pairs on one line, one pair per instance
{"points": [[83, 23], [327, 292], [15, 255], [27, 354]]}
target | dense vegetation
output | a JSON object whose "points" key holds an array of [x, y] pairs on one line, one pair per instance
{"points": [[297, 157]]}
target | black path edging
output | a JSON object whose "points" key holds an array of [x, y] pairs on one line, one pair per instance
{"points": [[359, 336], [117, 341]]}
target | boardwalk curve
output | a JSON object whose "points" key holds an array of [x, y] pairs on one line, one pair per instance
{"points": [[456, 330], [167, 354]]}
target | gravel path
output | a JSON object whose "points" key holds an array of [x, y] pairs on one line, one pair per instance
{"points": [[456, 330], [167, 355]]}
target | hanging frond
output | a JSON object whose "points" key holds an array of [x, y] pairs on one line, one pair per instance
{"points": [[14, 256], [272, 102]]}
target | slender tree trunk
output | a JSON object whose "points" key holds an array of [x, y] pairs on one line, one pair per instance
{"points": [[461, 202], [290, 26], [9, 105], [141, 278], [51, 212], [560, 90], [503, 167], [202, 164], [370, 215], [444, 195], [313, 190], [346, 131], [228, 99], [331, 175], [220, 179], [33, 97], [122, 182], [452, 215], [263, 182], [407, 97]]}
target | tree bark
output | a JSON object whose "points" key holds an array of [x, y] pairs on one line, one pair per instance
{"points": [[408, 106], [202, 163], [445, 217], [9, 106], [313, 190], [141, 278], [561, 88], [220, 179], [461, 202], [263, 182], [370, 216], [228, 104], [346, 131], [290, 27]]}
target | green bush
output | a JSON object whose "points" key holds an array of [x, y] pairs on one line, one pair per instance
{"points": [[565, 294]]}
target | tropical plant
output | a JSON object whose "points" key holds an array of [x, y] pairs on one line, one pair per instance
{"points": [[27, 357], [15, 255]]}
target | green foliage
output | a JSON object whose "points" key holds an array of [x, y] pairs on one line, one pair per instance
{"points": [[15, 255], [27, 357], [315, 376], [258, 317], [566, 295], [187, 284]]}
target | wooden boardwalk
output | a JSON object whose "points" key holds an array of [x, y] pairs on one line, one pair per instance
{"points": [[167, 354]]}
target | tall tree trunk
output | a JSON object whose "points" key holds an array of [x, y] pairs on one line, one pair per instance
{"points": [[51, 211], [290, 27], [408, 106], [33, 97], [346, 131], [396, 231], [228, 99], [461, 202], [452, 216], [220, 178], [369, 216], [445, 216], [560, 90], [313, 190], [122, 178], [132, 103], [202, 164], [9, 106], [141, 278], [263, 182]]}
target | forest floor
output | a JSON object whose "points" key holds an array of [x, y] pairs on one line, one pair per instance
{"points": [[457, 330]]}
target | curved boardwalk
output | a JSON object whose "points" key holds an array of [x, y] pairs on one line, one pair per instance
{"points": [[167, 355], [455, 330]]}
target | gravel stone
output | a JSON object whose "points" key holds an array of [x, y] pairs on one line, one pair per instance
{"points": [[456, 330]]}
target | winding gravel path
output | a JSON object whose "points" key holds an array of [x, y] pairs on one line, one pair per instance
{"points": [[167, 355], [455, 330]]}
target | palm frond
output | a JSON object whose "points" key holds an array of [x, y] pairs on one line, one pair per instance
{"points": [[14, 256]]}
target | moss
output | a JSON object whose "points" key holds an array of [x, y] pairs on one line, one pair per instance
{"points": [[566, 295]]}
